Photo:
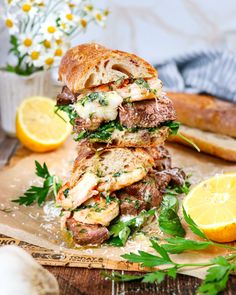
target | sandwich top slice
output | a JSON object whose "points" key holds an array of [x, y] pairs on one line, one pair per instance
{"points": [[124, 109]]}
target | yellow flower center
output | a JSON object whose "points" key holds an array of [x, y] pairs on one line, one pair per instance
{"points": [[51, 29], [27, 42], [58, 41], [71, 5], [26, 7], [58, 52], [83, 23], [89, 7], [34, 55], [47, 44], [98, 16], [9, 23], [106, 12], [69, 16], [49, 61], [63, 25]]}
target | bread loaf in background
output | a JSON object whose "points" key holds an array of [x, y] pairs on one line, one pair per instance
{"points": [[208, 122], [205, 112]]}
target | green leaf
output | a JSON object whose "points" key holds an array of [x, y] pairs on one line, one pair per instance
{"points": [[124, 234], [192, 225], [159, 249], [146, 259], [121, 230], [39, 194], [169, 223], [220, 260], [154, 277], [173, 126], [172, 272], [189, 141], [69, 110], [215, 280], [179, 245], [41, 171], [118, 277], [170, 202]]}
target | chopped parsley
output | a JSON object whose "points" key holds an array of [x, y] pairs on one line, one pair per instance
{"points": [[71, 112], [103, 133], [144, 84], [66, 192], [101, 97]]}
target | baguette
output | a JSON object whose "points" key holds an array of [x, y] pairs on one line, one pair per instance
{"points": [[218, 145], [90, 65], [205, 112]]}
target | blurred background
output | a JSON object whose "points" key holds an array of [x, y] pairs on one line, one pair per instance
{"points": [[159, 29]]}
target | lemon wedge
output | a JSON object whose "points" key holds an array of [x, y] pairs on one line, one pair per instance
{"points": [[38, 127], [212, 206]]}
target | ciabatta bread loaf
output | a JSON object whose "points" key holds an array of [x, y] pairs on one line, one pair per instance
{"points": [[90, 65], [205, 113], [218, 145]]}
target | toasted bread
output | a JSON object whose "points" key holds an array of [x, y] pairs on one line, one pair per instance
{"points": [[218, 145], [205, 112], [107, 170], [90, 65]]}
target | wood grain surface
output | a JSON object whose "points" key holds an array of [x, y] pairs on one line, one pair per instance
{"points": [[83, 281]]}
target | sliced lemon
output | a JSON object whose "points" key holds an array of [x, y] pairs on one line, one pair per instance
{"points": [[38, 127], [212, 205]]}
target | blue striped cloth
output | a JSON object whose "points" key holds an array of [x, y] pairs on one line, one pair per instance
{"points": [[206, 71]]}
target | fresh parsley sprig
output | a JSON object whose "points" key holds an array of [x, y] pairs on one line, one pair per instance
{"points": [[219, 268], [50, 187], [121, 230], [169, 221], [69, 110], [174, 128], [214, 282]]}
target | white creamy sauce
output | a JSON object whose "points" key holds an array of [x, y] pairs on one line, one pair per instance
{"points": [[107, 110]]}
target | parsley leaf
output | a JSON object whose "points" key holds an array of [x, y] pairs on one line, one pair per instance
{"points": [[146, 259], [154, 277], [169, 220], [169, 223], [179, 245], [215, 280], [194, 228], [69, 109], [173, 126], [121, 230], [39, 194]]}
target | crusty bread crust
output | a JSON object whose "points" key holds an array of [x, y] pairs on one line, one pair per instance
{"points": [[90, 65], [218, 145], [205, 112]]}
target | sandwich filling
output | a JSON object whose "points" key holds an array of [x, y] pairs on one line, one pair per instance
{"points": [[103, 112], [89, 221]]}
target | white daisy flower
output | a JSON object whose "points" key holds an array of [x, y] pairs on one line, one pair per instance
{"points": [[27, 42], [50, 30], [28, 8], [99, 17], [34, 56], [11, 24]]}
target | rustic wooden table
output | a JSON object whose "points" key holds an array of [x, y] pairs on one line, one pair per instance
{"points": [[78, 281]]}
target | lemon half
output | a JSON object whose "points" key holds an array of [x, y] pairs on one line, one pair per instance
{"points": [[212, 205], [38, 127]]}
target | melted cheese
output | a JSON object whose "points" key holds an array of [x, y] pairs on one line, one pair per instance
{"points": [[107, 111]]}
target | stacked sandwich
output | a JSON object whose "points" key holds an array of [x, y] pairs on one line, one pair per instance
{"points": [[121, 119]]}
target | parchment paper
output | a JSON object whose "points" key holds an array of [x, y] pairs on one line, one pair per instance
{"points": [[36, 226]]}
